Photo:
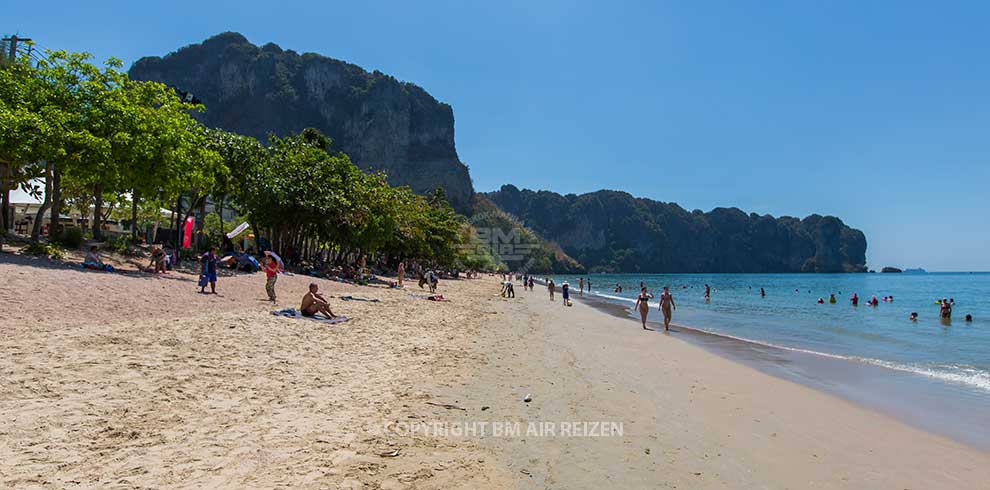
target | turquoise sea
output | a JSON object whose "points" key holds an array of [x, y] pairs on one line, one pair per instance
{"points": [[926, 370]]}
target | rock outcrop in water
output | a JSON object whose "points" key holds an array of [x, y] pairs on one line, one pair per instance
{"points": [[613, 231], [382, 123]]}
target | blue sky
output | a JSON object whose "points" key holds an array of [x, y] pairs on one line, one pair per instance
{"points": [[876, 112]]}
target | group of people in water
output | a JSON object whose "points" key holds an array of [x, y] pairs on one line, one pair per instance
{"points": [[667, 304], [945, 305]]}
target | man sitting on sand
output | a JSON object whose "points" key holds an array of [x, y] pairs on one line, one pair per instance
{"points": [[314, 302]]}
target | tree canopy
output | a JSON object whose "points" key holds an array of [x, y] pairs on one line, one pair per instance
{"points": [[94, 137]]}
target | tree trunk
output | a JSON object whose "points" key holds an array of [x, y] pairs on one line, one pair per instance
{"points": [[134, 213], [175, 217], [5, 197], [53, 225], [200, 227], [98, 211], [4, 202], [39, 218], [220, 215], [257, 236]]}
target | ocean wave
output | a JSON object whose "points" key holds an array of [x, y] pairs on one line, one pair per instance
{"points": [[962, 375], [619, 298]]}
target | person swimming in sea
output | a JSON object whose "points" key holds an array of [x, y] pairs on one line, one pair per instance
{"points": [[821, 301], [854, 299], [643, 305], [874, 301], [831, 298], [969, 318], [945, 310], [914, 316]]}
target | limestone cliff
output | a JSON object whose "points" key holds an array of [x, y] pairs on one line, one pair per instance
{"points": [[616, 232], [382, 123]]}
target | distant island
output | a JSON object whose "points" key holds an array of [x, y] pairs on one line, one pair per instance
{"points": [[918, 270], [891, 269]]}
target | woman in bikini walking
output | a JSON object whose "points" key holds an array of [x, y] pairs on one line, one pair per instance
{"points": [[643, 304]]}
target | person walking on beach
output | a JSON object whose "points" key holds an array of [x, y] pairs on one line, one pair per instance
{"points": [[531, 283], [643, 304], [581, 286], [401, 273], [271, 273], [565, 291], [551, 287], [667, 307], [209, 273]]}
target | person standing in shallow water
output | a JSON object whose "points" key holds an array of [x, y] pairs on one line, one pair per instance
{"points": [[708, 292], [581, 286], [643, 304], [667, 307]]}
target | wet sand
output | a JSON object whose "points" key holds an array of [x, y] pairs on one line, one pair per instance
{"points": [[691, 419], [137, 381], [956, 412]]}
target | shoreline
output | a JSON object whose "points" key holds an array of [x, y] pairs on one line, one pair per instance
{"points": [[910, 397], [691, 418], [138, 381]]}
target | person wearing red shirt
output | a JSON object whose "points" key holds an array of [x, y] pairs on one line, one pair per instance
{"points": [[271, 271]]}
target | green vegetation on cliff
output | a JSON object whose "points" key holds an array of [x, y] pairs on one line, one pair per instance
{"points": [[616, 232]]}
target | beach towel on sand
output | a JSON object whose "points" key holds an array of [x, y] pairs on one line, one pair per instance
{"points": [[431, 297], [292, 313], [97, 266], [358, 298]]}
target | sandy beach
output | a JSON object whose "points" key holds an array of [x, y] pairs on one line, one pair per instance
{"points": [[137, 381], [690, 419]]}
